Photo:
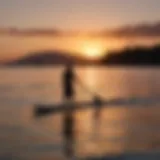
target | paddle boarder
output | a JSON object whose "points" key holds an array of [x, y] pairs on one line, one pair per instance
{"points": [[68, 79]]}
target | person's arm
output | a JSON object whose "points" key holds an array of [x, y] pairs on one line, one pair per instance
{"points": [[79, 81]]}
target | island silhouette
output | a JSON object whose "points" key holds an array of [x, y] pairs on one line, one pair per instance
{"points": [[134, 56], [128, 56]]}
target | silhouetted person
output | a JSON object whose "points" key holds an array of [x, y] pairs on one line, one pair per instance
{"points": [[68, 78]]}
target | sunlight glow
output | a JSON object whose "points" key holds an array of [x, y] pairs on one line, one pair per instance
{"points": [[93, 51]]}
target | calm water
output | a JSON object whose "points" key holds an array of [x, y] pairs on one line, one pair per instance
{"points": [[115, 130]]}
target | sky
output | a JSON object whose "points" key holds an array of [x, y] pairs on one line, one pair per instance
{"points": [[77, 14]]}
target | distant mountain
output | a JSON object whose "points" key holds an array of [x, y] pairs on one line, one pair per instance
{"points": [[48, 58], [134, 56]]}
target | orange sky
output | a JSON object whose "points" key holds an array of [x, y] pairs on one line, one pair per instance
{"points": [[83, 15], [17, 46]]}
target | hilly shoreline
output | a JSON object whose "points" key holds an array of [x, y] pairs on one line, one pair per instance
{"points": [[129, 56]]}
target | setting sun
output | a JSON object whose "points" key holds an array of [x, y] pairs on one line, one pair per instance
{"points": [[92, 49], [93, 52]]}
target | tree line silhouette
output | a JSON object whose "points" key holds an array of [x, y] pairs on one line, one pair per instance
{"points": [[134, 56]]}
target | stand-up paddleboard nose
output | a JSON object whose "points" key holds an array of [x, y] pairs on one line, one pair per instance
{"points": [[40, 111]]}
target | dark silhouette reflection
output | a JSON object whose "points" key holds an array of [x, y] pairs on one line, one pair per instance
{"points": [[98, 104], [68, 133], [96, 117]]}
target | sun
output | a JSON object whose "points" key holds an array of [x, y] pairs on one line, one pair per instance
{"points": [[91, 48], [93, 52]]}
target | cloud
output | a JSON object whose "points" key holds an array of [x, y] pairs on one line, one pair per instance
{"points": [[143, 30], [29, 32]]}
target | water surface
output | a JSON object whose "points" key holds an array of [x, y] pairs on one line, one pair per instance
{"points": [[115, 130]]}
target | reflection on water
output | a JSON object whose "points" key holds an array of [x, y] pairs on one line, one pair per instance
{"points": [[69, 135], [81, 133]]}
